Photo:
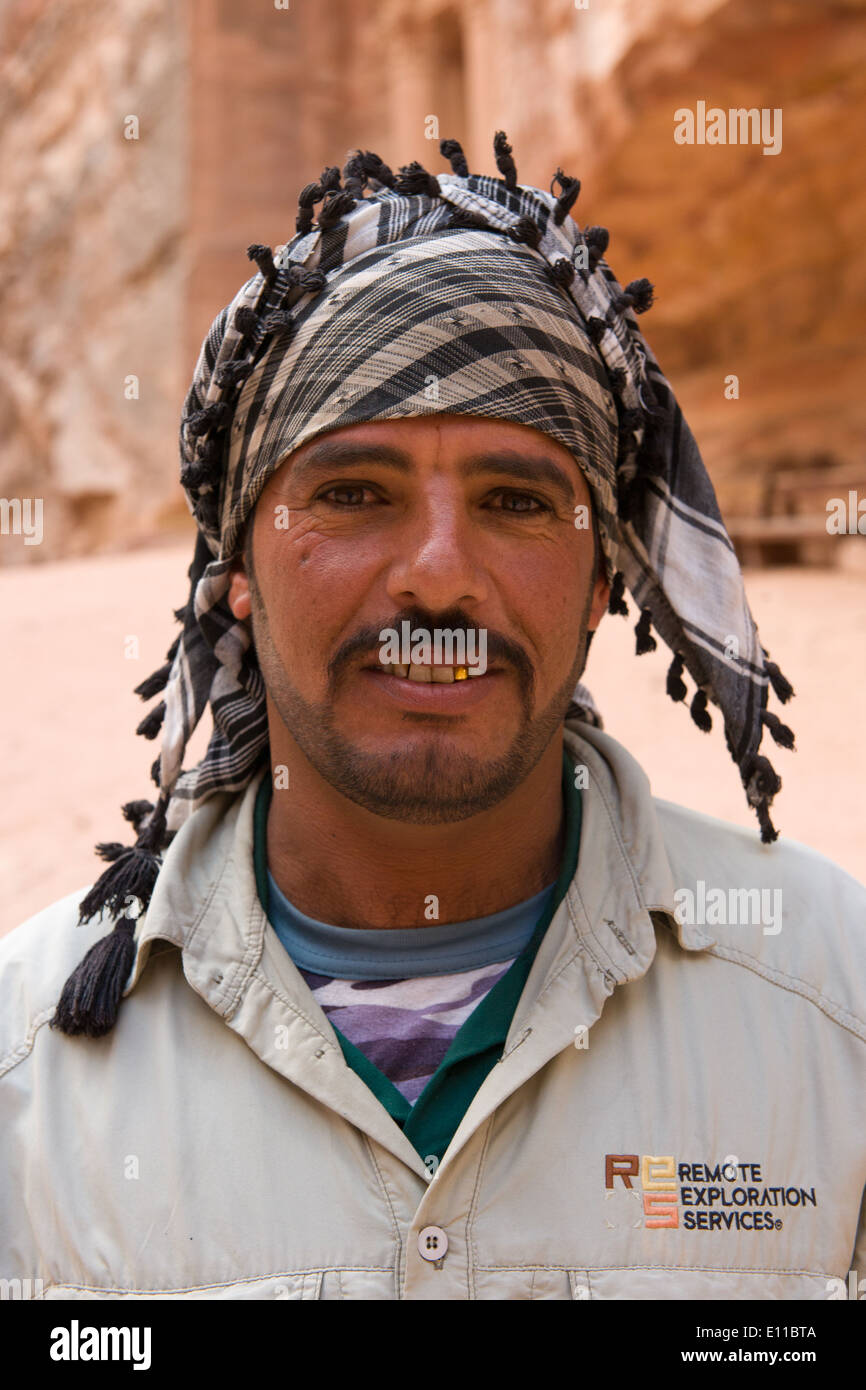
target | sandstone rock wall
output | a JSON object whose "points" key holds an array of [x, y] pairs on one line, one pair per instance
{"points": [[92, 231], [117, 253]]}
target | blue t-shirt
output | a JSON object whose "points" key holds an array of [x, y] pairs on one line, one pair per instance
{"points": [[401, 995]]}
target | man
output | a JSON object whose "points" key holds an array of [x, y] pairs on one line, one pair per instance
{"points": [[411, 989]]}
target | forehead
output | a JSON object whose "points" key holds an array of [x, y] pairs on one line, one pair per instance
{"points": [[440, 437], [454, 430]]}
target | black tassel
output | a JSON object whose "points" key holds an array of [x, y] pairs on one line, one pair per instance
{"points": [[152, 722], [780, 732], [618, 377], [310, 281], [781, 685], [699, 712], [567, 198], [279, 321], [109, 850], [309, 195], [154, 684], [91, 996], [354, 174], [333, 208], [562, 271], [203, 468], [180, 614], [645, 642], [211, 417], [377, 169], [194, 475], [526, 231], [247, 321], [616, 603], [761, 782], [413, 179], [769, 833], [133, 871], [597, 241], [211, 451], [232, 374], [504, 162], [329, 179], [263, 257], [464, 217], [638, 295], [135, 812], [153, 835], [132, 874], [155, 771], [760, 779], [452, 150], [596, 328], [676, 686]]}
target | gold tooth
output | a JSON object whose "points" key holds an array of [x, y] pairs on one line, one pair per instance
{"points": [[460, 673]]}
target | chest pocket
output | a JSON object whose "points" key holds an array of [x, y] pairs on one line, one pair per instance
{"points": [[378, 1284], [701, 1284], [658, 1285], [279, 1286]]}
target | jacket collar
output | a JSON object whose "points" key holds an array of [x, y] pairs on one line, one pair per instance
{"points": [[206, 903]]}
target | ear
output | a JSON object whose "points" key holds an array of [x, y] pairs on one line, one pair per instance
{"points": [[239, 591], [600, 597]]}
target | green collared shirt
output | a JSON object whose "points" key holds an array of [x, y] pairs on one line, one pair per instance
{"points": [[431, 1122]]}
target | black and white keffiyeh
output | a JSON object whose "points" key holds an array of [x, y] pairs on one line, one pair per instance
{"points": [[415, 294]]}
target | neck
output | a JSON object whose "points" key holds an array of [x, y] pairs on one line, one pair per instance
{"points": [[340, 863]]}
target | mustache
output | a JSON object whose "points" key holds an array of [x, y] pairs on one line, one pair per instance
{"points": [[366, 642]]}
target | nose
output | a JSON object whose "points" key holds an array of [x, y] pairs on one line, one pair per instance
{"points": [[436, 566]]}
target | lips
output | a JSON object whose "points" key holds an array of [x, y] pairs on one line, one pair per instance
{"points": [[432, 689]]}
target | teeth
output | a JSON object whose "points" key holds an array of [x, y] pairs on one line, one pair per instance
{"points": [[438, 675]]}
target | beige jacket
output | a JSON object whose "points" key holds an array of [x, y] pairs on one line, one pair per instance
{"points": [[678, 1112]]}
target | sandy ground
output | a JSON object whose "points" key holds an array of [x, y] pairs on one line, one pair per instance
{"points": [[69, 756]]}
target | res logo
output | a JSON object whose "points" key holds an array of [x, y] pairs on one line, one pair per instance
{"points": [[658, 1185]]}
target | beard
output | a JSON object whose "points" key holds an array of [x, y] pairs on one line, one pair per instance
{"points": [[426, 780]]}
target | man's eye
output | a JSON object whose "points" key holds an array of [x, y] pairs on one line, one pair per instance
{"points": [[337, 496], [525, 502]]}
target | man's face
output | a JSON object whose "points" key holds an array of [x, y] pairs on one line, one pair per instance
{"points": [[449, 522]]}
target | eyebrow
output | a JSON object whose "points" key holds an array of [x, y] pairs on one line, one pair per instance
{"points": [[528, 468]]}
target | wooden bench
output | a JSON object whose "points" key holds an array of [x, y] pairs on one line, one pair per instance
{"points": [[791, 525]]}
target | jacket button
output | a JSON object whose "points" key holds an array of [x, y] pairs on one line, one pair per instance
{"points": [[432, 1243]]}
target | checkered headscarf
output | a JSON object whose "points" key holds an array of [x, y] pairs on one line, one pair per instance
{"points": [[418, 294]]}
